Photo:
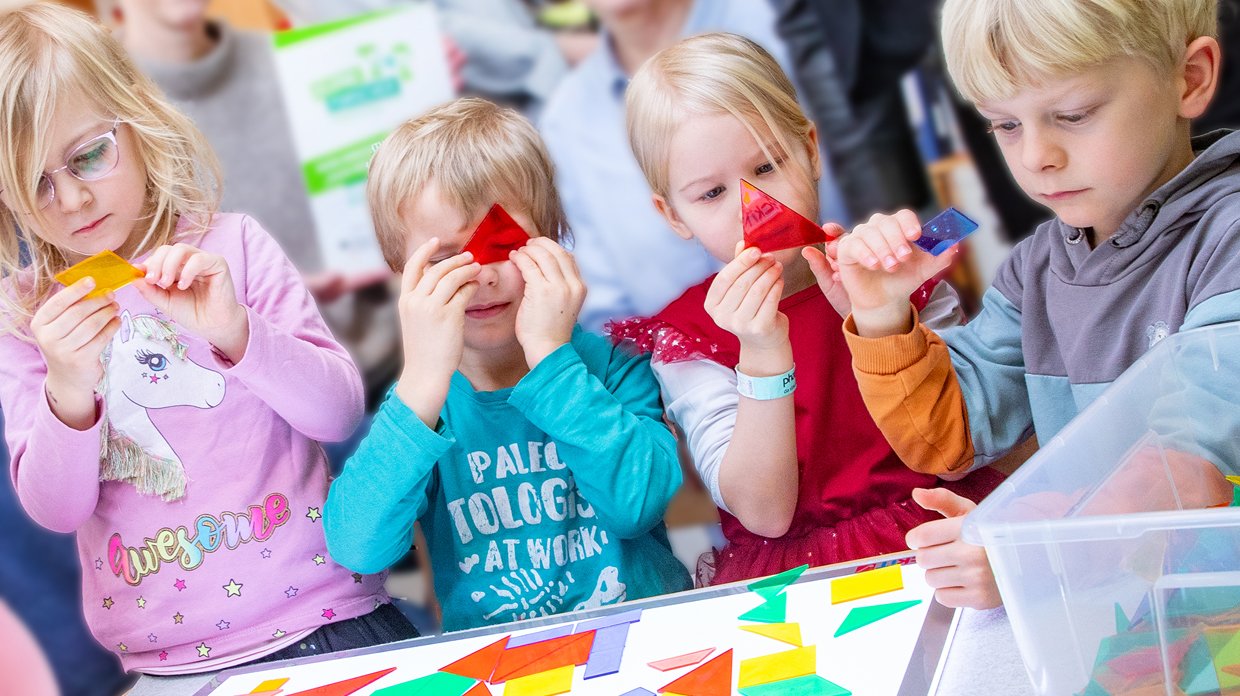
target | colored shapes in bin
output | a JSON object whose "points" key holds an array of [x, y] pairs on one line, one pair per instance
{"points": [[479, 664], [861, 617], [549, 683], [1196, 670], [789, 633], [771, 225], [944, 231], [1232, 670], [536, 636], [638, 692], [780, 666], [348, 686], [607, 651], [671, 663], [809, 685], [773, 610], [867, 584], [627, 617], [1224, 646], [711, 679], [769, 587], [1121, 619], [543, 656], [437, 684], [110, 272], [1148, 660], [269, 686], [1141, 614], [495, 237]]}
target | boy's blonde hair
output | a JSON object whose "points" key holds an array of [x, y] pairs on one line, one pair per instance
{"points": [[994, 47], [46, 52], [478, 154], [717, 73]]}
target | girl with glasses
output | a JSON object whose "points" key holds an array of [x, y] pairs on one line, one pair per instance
{"points": [[172, 424]]}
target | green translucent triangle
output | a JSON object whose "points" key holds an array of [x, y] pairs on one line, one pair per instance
{"points": [[1094, 689], [860, 617], [1121, 619], [769, 587], [437, 684], [773, 610], [809, 685]]}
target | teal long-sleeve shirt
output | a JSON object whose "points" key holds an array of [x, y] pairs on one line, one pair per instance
{"points": [[544, 498]]}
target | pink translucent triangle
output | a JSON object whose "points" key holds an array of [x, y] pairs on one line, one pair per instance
{"points": [[668, 664], [771, 225]]}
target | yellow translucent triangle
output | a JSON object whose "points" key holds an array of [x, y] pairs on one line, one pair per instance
{"points": [[787, 632], [110, 272], [778, 667], [1234, 479], [269, 686], [867, 584], [549, 683]]}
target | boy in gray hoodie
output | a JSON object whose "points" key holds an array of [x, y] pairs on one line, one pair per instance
{"points": [[1090, 102]]}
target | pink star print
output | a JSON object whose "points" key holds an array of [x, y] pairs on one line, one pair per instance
{"points": [[154, 379], [329, 614], [163, 655], [179, 584]]}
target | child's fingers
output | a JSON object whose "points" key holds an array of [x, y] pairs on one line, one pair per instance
{"points": [[100, 341], [433, 275], [734, 268], [735, 295], [818, 263], [452, 281], [546, 262], [855, 250], [933, 533], [770, 303], [63, 300], [753, 300], [909, 225], [461, 298], [833, 230], [58, 319], [197, 265], [943, 501], [173, 261], [565, 260], [893, 234], [415, 265], [530, 271], [90, 326]]}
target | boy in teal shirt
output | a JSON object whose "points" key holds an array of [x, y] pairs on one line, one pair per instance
{"points": [[533, 453]]}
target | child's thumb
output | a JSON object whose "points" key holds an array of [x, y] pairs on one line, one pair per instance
{"points": [[943, 501]]}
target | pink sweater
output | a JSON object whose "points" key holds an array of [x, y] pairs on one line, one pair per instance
{"points": [[239, 562]]}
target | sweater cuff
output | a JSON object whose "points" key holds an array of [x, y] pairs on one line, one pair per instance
{"points": [[399, 422], [544, 374], [890, 354]]}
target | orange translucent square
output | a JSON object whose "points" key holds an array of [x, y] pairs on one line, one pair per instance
{"points": [[110, 272]]}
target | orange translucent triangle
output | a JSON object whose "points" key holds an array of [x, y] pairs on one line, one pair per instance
{"points": [[1232, 669], [671, 663], [711, 679], [347, 686], [771, 225], [480, 664], [110, 272], [543, 656], [496, 236], [480, 689]]}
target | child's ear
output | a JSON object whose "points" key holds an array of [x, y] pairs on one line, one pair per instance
{"points": [[669, 213], [1198, 79], [815, 155]]}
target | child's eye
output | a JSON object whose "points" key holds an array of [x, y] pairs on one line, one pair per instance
{"points": [[764, 168], [714, 193], [1005, 127], [1074, 118]]}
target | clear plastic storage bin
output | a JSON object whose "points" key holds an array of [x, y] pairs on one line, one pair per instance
{"points": [[1115, 548]]}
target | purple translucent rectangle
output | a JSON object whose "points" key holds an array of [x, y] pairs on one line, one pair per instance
{"points": [[556, 632], [626, 617], [609, 637], [942, 232], [638, 692], [603, 663]]}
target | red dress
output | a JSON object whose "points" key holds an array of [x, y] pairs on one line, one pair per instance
{"points": [[853, 498]]}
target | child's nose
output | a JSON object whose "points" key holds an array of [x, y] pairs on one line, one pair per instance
{"points": [[70, 193], [488, 274], [1040, 152]]}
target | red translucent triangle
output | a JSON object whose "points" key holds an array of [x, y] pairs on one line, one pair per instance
{"points": [[480, 664], [671, 663], [711, 679], [347, 686], [496, 236], [771, 225], [543, 656]]}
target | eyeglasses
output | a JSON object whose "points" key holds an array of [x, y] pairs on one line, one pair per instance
{"points": [[90, 161]]}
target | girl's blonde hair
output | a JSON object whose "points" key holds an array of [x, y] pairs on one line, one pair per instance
{"points": [[478, 154], [995, 47], [717, 73], [46, 52]]}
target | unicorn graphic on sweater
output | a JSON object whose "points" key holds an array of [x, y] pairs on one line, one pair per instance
{"points": [[146, 368]]}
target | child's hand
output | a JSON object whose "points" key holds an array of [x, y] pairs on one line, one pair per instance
{"points": [[744, 300], [195, 289], [554, 292], [826, 269], [880, 269], [72, 332], [959, 573], [432, 306]]}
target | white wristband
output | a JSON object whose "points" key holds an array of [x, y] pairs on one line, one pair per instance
{"points": [[766, 388]]}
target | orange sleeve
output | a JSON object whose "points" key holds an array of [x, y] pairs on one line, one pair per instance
{"points": [[911, 391]]}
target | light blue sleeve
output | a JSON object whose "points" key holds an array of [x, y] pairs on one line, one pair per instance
{"points": [[990, 366], [610, 432], [371, 508]]}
